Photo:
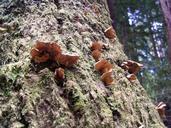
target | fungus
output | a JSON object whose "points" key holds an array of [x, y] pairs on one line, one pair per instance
{"points": [[107, 77], [38, 57], [132, 66], [110, 33], [96, 54], [59, 74], [103, 66], [67, 60], [42, 52], [96, 45], [161, 109], [131, 77], [54, 50], [124, 66], [2, 30]]}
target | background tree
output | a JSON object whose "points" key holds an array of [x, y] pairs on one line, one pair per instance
{"points": [[166, 7], [141, 29]]}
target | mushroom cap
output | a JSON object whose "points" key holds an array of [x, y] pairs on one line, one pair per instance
{"points": [[110, 33], [42, 52], [132, 66], [96, 54], [124, 66], [129, 62], [131, 77], [161, 105], [103, 66], [96, 45], [38, 57], [53, 49], [67, 60], [107, 77], [59, 74], [161, 109]]}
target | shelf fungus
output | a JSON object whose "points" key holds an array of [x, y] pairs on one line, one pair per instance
{"points": [[59, 74], [107, 77], [67, 60], [97, 45], [43, 52], [161, 109], [3, 29], [131, 66], [103, 66], [131, 77], [110, 33], [96, 50], [96, 54]]}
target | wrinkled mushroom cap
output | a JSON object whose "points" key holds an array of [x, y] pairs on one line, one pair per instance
{"points": [[67, 60], [132, 66], [131, 77], [103, 66], [110, 33], [59, 74], [97, 45], [42, 52], [161, 109], [54, 49], [96, 54], [107, 77], [38, 57]]}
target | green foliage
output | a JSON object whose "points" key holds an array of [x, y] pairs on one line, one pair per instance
{"points": [[141, 29]]}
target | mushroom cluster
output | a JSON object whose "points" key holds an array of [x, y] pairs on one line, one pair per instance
{"points": [[44, 52], [51, 51], [96, 48], [105, 68], [161, 109], [110, 33], [132, 67]]}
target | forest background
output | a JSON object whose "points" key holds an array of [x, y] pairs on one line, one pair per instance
{"points": [[141, 27]]}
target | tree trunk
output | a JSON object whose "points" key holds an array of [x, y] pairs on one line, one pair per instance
{"points": [[32, 98], [112, 10], [166, 7]]}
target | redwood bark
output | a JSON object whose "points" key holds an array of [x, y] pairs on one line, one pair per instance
{"points": [[166, 7]]}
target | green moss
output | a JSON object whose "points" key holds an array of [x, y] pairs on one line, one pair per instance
{"points": [[9, 77]]}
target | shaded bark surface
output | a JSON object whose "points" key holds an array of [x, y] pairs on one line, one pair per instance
{"points": [[30, 97]]}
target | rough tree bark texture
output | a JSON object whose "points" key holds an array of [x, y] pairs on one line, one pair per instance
{"points": [[166, 7], [29, 95]]}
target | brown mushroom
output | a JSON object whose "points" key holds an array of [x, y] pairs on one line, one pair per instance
{"points": [[96, 46], [132, 66], [2, 29], [103, 66], [42, 52], [54, 50], [38, 57], [110, 33], [67, 60], [96, 54], [59, 74], [131, 77], [107, 77], [161, 109]]}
